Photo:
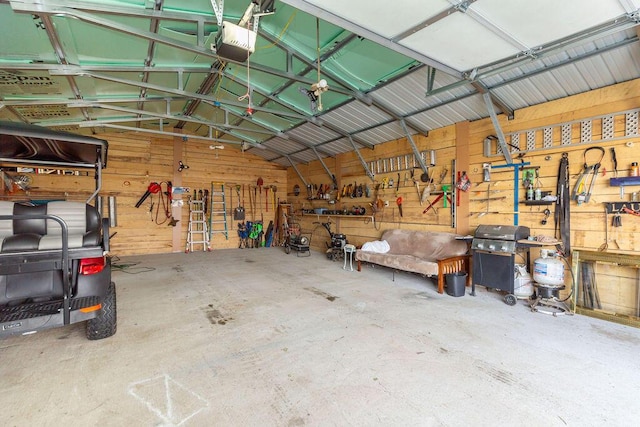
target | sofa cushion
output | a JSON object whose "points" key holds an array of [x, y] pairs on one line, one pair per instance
{"points": [[400, 262], [427, 245]]}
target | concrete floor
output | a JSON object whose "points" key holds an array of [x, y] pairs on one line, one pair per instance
{"points": [[256, 337]]}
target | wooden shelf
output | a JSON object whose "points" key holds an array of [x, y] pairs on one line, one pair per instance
{"points": [[369, 217], [538, 202], [535, 243]]}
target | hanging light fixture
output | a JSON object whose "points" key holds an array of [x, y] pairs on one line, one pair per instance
{"points": [[317, 89]]}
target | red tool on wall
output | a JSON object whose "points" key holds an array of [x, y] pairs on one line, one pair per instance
{"points": [[433, 203], [153, 188], [399, 203]]}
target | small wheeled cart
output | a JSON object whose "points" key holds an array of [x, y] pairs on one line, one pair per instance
{"points": [[296, 239], [298, 242]]}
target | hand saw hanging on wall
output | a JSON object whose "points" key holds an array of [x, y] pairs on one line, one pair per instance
{"points": [[584, 185]]}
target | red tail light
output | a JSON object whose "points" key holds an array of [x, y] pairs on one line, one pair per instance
{"points": [[92, 265]]}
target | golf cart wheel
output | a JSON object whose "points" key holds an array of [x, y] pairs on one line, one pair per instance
{"points": [[510, 299], [106, 322], [287, 249]]}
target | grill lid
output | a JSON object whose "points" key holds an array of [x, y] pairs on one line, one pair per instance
{"points": [[502, 232]]}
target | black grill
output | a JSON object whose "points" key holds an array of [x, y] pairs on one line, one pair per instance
{"points": [[494, 250]]}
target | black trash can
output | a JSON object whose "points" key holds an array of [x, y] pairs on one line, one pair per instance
{"points": [[456, 283]]}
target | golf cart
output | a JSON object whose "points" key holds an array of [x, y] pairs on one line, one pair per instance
{"points": [[54, 268]]}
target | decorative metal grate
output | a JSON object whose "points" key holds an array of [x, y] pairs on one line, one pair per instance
{"points": [[547, 138], [542, 138]]}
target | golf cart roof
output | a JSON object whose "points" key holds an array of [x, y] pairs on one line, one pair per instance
{"points": [[27, 144]]}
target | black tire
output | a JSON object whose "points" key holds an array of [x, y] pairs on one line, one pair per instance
{"points": [[106, 323], [510, 299]]}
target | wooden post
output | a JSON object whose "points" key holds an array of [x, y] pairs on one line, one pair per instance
{"points": [[462, 164], [178, 148]]}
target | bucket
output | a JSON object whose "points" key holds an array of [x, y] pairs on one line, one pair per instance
{"points": [[456, 283]]}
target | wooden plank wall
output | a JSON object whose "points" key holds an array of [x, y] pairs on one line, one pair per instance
{"points": [[590, 226], [135, 160], [465, 143], [348, 170]]}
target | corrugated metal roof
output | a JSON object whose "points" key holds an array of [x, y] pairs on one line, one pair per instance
{"points": [[311, 134], [354, 116], [342, 145]]}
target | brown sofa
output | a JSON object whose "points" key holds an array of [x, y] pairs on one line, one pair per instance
{"points": [[430, 253]]}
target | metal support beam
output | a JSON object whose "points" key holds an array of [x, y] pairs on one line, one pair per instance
{"points": [[431, 78], [292, 53], [460, 7], [357, 94], [416, 152], [148, 35], [145, 115], [479, 18], [375, 37], [165, 89], [571, 60], [618, 24], [151, 48], [362, 162], [295, 168], [52, 34], [496, 124], [401, 118], [218, 9], [160, 132], [508, 111], [158, 68], [126, 99], [110, 8], [332, 176]]}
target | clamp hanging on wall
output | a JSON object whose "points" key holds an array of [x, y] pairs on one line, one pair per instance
{"points": [[582, 190]]}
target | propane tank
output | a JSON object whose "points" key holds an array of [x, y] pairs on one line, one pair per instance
{"points": [[548, 269], [522, 285]]}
